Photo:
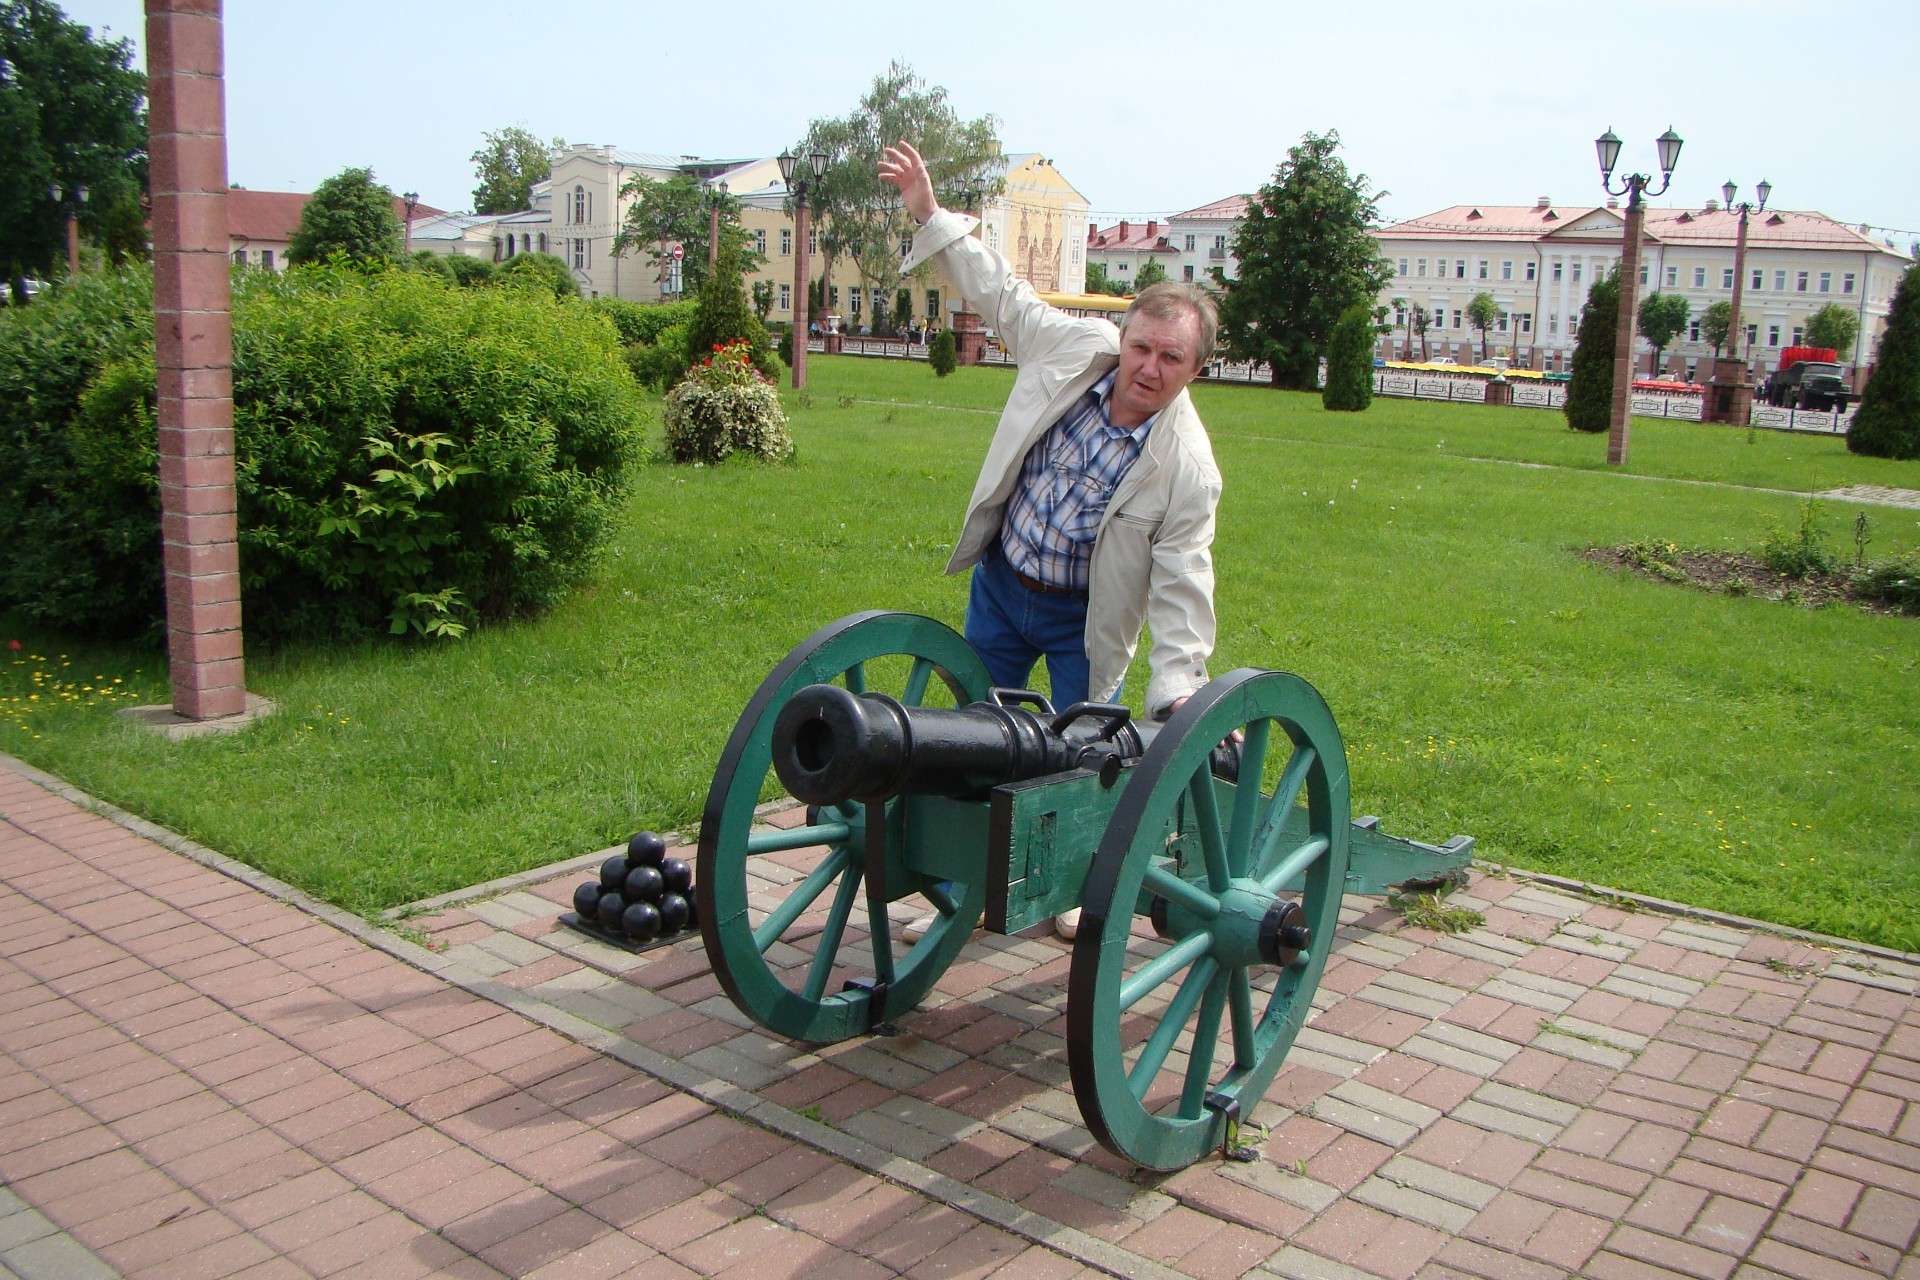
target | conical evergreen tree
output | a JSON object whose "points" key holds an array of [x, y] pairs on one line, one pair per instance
{"points": [[1887, 424], [1590, 393], [1349, 386], [725, 315]]}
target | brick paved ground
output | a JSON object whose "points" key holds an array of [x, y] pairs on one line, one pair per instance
{"points": [[198, 1080]]}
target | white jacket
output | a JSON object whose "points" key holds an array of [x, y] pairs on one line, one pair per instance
{"points": [[1152, 558]]}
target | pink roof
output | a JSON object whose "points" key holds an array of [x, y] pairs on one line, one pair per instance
{"points": [[1487, 221], [1718, 228], [273, 215], [1230, 209], [1148, 236]]}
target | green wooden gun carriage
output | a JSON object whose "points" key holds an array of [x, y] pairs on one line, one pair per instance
{"points": [[1209, 875]]}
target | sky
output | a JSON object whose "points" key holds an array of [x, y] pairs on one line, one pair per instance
{"points": [[1148, 109]]}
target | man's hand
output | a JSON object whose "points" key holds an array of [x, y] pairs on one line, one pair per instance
{"points": [[903, 167], [1238, 735]]}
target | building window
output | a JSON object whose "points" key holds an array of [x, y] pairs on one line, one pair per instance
{"points": [[906, 245], [813, 241], [580, 253], [1773, 335], [1187, 273], [1402, 271], [1532, 270], [239, 257], [1403, 261], [1673, 277], [1826, 282], [1643, 273], [1459, 268], [1576, 271], [1480, 269], [1506, 271], [1799, 282], [1846, 283], [786, 297], [1524, 321], [933, 304], [853, 299], [1456, 315], [266, 259], [1440, 267], [760, 241], [1121, 267], [1799, 335], [1220, 243], [509, 248], [582, 203], [1553, 322], [1779, 282], [833, 297], [786, 242], [1753, 334], [1420, 265], [1557, 265], [1759, 280], [993, 235], [1726, 277], [1500, 323], [1693, 331], [1699, 277]]}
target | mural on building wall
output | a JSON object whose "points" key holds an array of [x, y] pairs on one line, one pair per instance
{"points": [[1037, 248]]}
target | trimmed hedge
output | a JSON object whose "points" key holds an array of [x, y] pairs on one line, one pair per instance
{"points": [[410, 456]]}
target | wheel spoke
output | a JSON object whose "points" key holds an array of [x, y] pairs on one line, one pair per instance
{"points": [[1206, 816], [1184, 892], [1247, 797], [781, 839], [1206, 1033], [800, 899], [1240, 1006], [1280, 809], [1161, 967], [916, 691], [1154, 1053], [857, 678], [1295, 865], [828, 943]]}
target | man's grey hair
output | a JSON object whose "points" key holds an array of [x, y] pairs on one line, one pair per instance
{"points": [[1172, 299]]}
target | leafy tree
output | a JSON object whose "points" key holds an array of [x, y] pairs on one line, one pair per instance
{"points": [[762, 299], [724, 315], [1887, 424], [1482, 313], [1306, 255], [860, 216], [1716, 325], [1590, 392], [1099, 282], [541, 271], [509, 163], [1833, 326], [1662, 316], [349, 214], [1350, 361], [1151, 273], [678, 210], [70, 111]]}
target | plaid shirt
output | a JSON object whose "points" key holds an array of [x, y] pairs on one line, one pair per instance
{"points": [[1069, 476]]}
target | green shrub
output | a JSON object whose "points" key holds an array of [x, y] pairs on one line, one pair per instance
{"points": [[409, 456], [540, 271], [726, 406], [943, 353], [79, 520], [1349, 386], [1896, 582], [642, 322], [1803, 553], [724, 317], [1887, 424], [661, 363], [1590, 391], [457, 268], [780, 334]]}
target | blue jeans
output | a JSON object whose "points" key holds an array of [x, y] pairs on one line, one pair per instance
{"points": [[1013, 626]]}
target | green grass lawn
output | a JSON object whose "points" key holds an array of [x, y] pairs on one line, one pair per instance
{"points": [[1416, 563]]}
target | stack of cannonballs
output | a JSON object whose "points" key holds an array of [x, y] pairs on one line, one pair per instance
{"points": [[641, 895]]}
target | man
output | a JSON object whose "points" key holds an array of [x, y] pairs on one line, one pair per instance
{"points": [[1094, 511]]}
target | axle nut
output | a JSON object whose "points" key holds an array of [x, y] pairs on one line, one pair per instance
{"points": [[1284, 933]]}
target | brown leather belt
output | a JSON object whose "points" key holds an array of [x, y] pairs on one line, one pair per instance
{"points": [[1044, 588]]}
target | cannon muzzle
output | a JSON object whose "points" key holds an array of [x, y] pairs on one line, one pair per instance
{"points": [[831, 745]]}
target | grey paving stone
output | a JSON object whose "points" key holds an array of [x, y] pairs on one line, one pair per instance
{"points": [[502, 915], [881, 1068], [1478, 1043], [1538, 901], [1117, 1194], [896, 1136], [936, 1120], [1435, 1181], [1296, 1263], [1612, 1037], [1402, 1109], [1697, 935], [1666, 997], [722, 1063], [1284, 1184], [476, 959], [1526, 1102], [1500, 1120], [1405, 1002], [56, 1257], [1365, 1121], [1414, 1204], [1583, 945], [514, 948], [1338, 1046], [1489, 948]]}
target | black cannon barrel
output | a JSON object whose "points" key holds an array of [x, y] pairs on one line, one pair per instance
{"points": [[831, 745]]}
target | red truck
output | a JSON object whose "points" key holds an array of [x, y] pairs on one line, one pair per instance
{"points": [[1807, 378]]}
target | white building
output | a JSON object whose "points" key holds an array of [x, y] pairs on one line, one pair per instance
{"points": [[1202, 239], [1539, 261]]}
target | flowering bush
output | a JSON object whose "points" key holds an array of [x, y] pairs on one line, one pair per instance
{"points": [[726, 406]]}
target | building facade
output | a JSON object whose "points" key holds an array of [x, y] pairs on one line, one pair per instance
{"points": [[1539, 261], [1202, 240]]}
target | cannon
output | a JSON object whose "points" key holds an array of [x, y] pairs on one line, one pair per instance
{"points": [[1209, 856]]}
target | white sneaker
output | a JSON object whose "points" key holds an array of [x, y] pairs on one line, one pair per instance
{"points": [[917, 929], [1067, 923]]}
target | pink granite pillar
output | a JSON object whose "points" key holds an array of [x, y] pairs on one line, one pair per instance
{"points": [[193, 347]]}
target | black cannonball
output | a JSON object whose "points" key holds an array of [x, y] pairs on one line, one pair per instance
{"points": [[613, 873], [673, 913], [677, 874], [645, 884], [611, 907], [644, 848], [586, 900], [640, 921]]}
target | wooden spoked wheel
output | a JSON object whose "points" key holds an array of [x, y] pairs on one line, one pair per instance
{"points": [[791, 930], [1175, 1026]]}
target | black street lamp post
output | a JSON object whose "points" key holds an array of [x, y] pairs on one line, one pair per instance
{"points": [[817, 162], [412, 199], [1732, 389], [1636, 184]]}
